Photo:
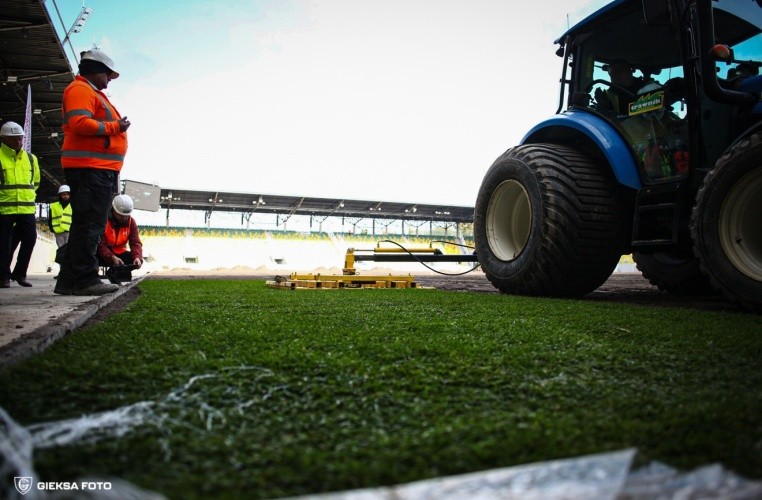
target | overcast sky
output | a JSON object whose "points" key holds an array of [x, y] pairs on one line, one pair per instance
{"points": [[395, 100]]}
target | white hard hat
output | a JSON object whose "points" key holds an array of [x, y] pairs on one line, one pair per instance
{"points": [[122, 204], [101, 57], [11, 129], [64, 189]]}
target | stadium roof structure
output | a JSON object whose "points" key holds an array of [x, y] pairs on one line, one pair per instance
{"points": [[32, 56], [210, 201]]}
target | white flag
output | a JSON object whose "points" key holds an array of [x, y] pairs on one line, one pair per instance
{"points": [[27, 142]]}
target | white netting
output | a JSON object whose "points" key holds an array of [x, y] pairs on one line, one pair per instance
{"points": [[15, 457], [182, 405], [17, 444], [90, 428]]}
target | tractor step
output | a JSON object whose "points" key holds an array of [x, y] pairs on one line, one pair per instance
{"points": [[657, 216]]}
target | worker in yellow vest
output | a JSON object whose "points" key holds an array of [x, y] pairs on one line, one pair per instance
{"points": [[59, 215], [19, 180]]}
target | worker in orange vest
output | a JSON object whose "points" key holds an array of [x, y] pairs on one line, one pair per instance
{"points": [[94, 146], [120, 248]]}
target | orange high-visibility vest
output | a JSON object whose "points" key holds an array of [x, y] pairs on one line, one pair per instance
{"points": [[91, 129], [116, 237]]}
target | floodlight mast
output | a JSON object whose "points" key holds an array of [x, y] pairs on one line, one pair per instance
{"points": [[76, 27]]}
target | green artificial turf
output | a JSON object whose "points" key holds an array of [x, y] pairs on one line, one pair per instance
{"points": [[311, 391]]}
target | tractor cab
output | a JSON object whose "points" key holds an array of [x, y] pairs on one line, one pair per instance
{"points": [[639, 66]]}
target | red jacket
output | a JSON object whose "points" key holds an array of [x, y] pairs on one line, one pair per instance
{"points": [[116, 238], [92, 138]]}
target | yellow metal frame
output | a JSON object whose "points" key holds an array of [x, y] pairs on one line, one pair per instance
{"points": [[349, 277], [341, 281]]}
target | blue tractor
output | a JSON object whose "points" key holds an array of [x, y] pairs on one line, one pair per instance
{"points": [[655, 150]]}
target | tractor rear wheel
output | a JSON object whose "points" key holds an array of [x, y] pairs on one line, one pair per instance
{"points": [[674, 273], [548, 221], [725, 223]]}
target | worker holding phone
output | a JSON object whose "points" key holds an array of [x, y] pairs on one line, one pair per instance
{"points": [[94, 147]]}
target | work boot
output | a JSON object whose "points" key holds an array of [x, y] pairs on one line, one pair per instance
{"points": [[63, 289], [64, 283], [99, 288], [21, 281]]}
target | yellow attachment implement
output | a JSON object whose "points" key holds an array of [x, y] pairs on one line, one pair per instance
{"points": [[338, 281], [350, 279]]}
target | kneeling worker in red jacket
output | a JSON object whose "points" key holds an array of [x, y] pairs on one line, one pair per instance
{"points": [[121, 232]]}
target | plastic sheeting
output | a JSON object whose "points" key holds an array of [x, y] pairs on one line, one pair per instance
{"points": [[605, 476]]}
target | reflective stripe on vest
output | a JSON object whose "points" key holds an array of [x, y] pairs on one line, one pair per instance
{"points": [[91, 154], [87, 113]]}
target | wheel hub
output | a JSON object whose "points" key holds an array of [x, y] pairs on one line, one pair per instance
{"points": [[738, 225], [509, 219]]}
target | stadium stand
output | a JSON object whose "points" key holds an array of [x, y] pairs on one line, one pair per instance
{"points": [[281, 251], [189, 250]]}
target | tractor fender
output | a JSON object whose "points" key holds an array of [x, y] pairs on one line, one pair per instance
{"points": [[566, 126]]}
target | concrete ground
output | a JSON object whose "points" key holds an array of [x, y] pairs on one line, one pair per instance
{"points": [[32, 318]]}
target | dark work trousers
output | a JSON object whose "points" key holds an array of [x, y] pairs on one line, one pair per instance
{"points": [[15, 229], [92, 191]]}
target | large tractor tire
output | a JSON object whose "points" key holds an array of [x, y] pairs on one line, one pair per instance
{"points": [[679, 274], [549, 221], [725, 223]]}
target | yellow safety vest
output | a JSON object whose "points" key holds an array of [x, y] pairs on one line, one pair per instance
{"points": [[60, 217], [19, 180]]}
